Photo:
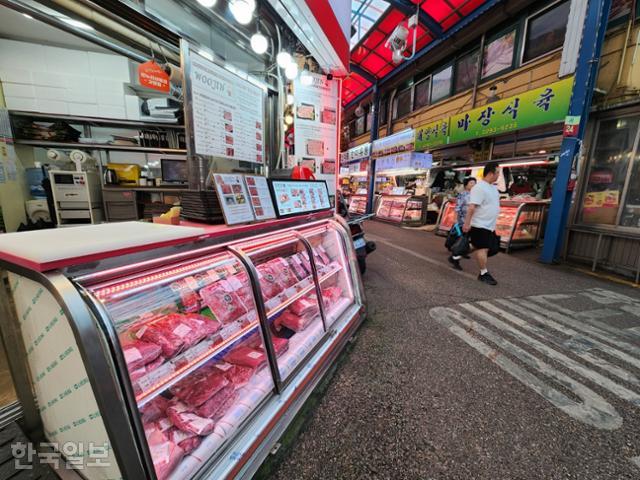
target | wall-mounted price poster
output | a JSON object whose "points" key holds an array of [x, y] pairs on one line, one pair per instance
{"points": [[260, 197], [234, 198], [227, 113]]}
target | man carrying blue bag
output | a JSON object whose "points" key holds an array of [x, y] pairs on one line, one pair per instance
{"points": [[456, 242]]}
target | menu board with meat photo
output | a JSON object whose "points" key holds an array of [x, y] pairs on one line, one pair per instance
{"points": [[316, 124], [296, 197], [227, 113], [234, 198], [260, 196]]}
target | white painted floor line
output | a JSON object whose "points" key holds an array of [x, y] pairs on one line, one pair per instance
{"points": [[615, 388], [430, 260], [594, 409], [607, 337], [576, 344]]}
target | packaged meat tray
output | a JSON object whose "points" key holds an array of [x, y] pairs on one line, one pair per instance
{"points": [[270, 282], [137, 354], [280, 345], [217, 405], [331, 295], [187, 441], [224, 300], [285, 274], [142, 371], [292, 321], [165, 454], [247, 356], [200, 386], [297, 266], [184, 419], [305, 306], [174, 332]]}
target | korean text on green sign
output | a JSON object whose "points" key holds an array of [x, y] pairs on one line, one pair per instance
{"points": [[536, 107], [432, 134]]}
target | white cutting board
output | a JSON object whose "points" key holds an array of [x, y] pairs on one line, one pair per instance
{"points": [[54, 245]]}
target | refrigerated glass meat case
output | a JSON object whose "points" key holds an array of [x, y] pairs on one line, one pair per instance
{"points": [[186, 360]]}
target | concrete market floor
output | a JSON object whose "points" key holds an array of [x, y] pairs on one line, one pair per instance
{"points": [[453, 379]]}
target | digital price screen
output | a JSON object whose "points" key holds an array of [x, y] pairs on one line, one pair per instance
{"points": [[296, 197]]}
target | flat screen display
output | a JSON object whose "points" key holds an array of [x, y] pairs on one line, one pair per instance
{"points": [[296, 197], [174, 171]]}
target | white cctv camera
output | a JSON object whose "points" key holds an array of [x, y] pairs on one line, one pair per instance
{"points": [[398, 38], [397, 57]]}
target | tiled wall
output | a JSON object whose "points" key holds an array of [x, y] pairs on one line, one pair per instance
{"points": [[58, 80]]}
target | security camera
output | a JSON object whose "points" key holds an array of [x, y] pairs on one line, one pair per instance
{"points": [[397, 56], [398, 38]]}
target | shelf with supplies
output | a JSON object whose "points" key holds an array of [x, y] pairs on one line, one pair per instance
{"points": [[99, 146], [37, 116]]}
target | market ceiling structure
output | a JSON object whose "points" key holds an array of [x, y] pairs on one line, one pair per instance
{"points": [[374, 20]]}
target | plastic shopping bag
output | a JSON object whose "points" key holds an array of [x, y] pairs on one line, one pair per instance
{"points": [[454, 233], [494, 248], [461, 246]]}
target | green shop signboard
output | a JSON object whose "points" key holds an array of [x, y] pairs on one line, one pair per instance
{"points": [[536, 107], [432, 135]]}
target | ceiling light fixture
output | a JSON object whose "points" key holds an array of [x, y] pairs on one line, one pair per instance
{"points": [[288, 119], [291, 71], [259, 43], [242, 10], [207, 3], [290, 99], [283, 59]]}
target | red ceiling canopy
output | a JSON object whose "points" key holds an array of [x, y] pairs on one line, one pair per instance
{"points": [[370, 53]]}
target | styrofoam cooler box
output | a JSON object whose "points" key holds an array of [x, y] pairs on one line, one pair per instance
{"points": [[19, 103], [22, 55], [49, 93], [52, 106], [132, 105], [83, 109], [103, 65], [16, 75], [20, 90], [80, 89], [66, 61], [111, 111]]}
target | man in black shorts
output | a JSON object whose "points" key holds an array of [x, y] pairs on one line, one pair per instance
{"points": [[482, 215]]}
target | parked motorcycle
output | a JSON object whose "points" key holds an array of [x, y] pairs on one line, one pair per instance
{"points": [[360, 243]]}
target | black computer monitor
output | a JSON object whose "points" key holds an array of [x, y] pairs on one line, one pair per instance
{"points": [[174, 171]]}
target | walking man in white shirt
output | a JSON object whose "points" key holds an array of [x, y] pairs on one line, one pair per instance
{"points": [[481, 218]]}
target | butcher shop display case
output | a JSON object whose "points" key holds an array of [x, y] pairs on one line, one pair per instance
{"points": [[405, 209], [520, 222], [185, 353], [358, 204]]}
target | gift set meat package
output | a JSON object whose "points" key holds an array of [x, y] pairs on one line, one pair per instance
{"points": [[218, 404], [224, 298], [247, 356], [200, 386], [183, 418], [165, 454], [137, 353], [238, 375], [292, 321], [176, 332], [270, 281]]}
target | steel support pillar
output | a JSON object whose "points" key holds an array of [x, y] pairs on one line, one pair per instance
{"points": [[593, 32], [375, 108]]}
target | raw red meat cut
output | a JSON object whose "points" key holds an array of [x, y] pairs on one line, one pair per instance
{"points": [[246, 356], [280, 345], [165, 454], [331, 295], [242, 286], [187, 441], [322, 254], [174, 332], [200, 386], [184, 419], [155, 364], [137, 354], [154, 409], [292, 321], [224, 302], [306, 306], [238, 375], [164, 425], [217, 406]]}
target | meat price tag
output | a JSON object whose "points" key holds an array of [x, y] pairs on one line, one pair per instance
{"points": [[234, 283], [192, 283], [254, 355], [213, 275], [224, 366], [132, 355], [182, 330], [229, 330]]}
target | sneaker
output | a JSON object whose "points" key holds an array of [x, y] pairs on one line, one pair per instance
{"points": [[488, 279], [455, 263]]}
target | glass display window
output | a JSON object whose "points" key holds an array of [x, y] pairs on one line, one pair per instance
{"points": [[402, 104], [612, 164], [498, 54], [441, 84], [545, 31], [421, 93], [466, 71], [190, 337]]}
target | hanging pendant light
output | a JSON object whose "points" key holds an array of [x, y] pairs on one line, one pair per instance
{"points": [[283, 59], [242, 10], [259, 43], [306, 78], [291, 71], [207, 3]]}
